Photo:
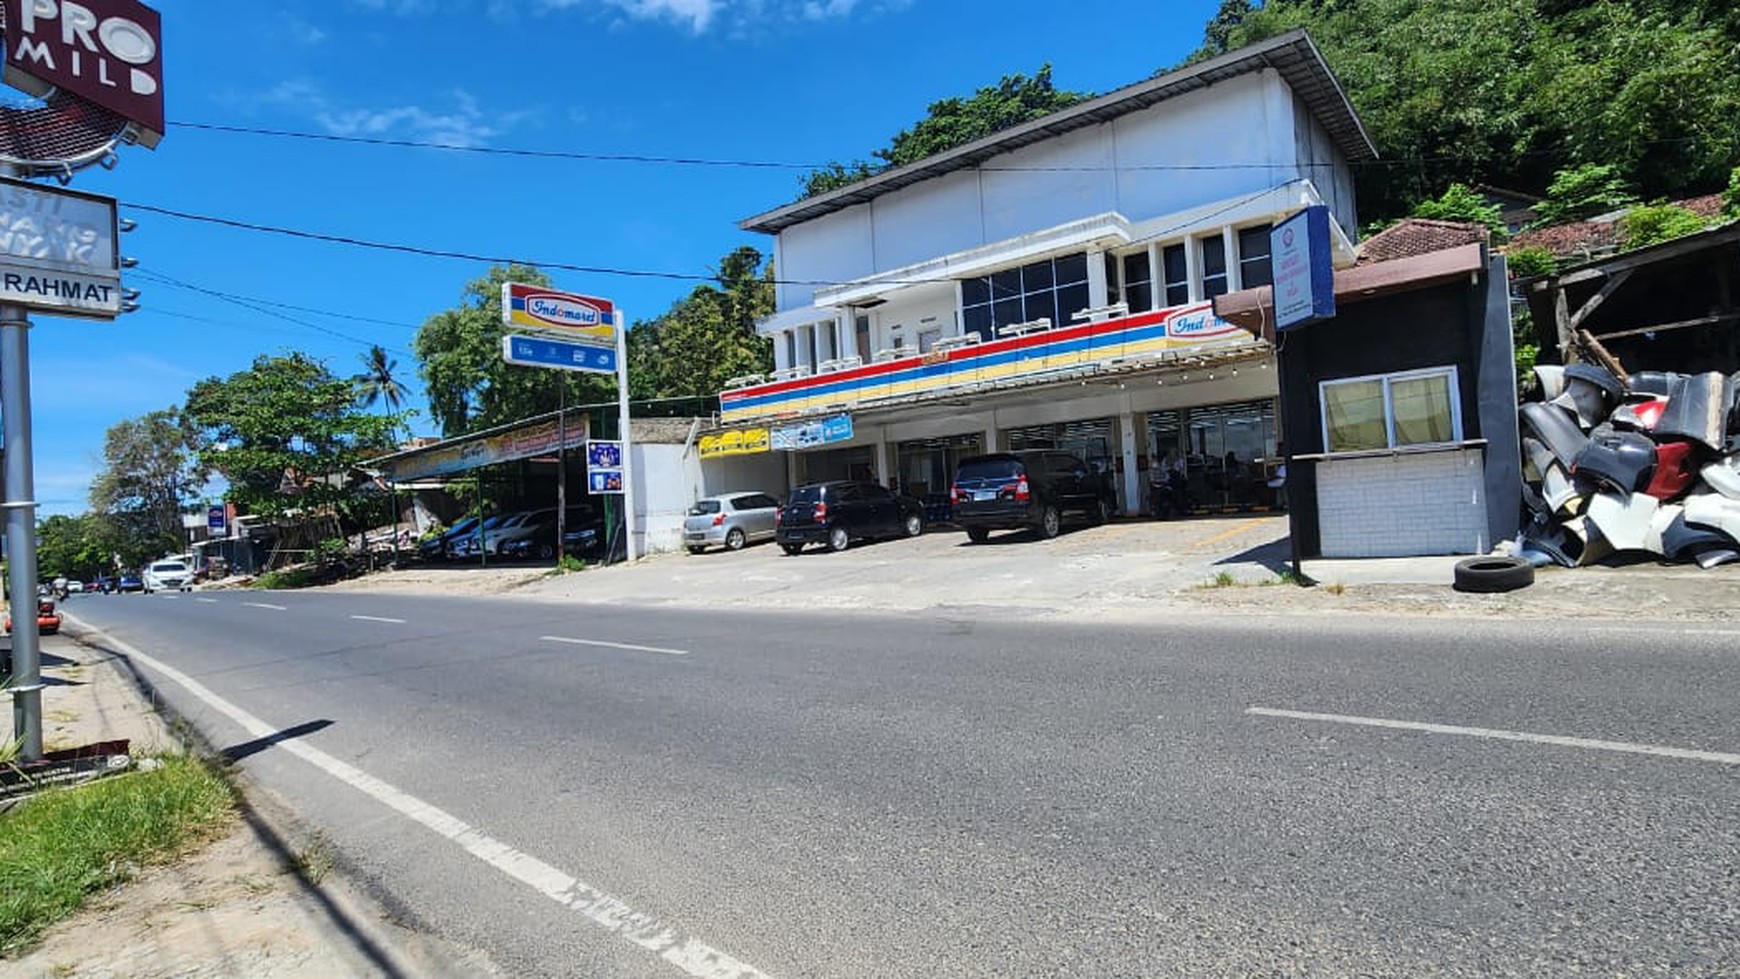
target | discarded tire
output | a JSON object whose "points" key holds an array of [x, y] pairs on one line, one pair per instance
{"points": [[1493, 574]]}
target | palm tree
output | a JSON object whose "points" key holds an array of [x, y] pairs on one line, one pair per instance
{"points": [[377, 382]]}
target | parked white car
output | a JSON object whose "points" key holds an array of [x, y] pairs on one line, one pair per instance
{"points": [[167, 576]]}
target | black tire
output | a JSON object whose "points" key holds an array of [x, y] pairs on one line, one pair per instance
{"points": [[978, 535], [1493, 574], [791, 549], [914, 525], [735, 539], [1101, 513], [1050, 524], [695, 550], [546, 551], [838, 538]]}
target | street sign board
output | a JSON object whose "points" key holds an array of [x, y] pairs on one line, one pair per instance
{"points": [[604, 466], [559, 354], [105, 51], [1299, 258], [822, 431], [59, 250], [215, 521], [581, 319]]}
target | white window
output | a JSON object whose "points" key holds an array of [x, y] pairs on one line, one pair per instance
{"points": [[1384, 411]]}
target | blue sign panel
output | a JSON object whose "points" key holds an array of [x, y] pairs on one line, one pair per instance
{"points": [[835, 428], [604, 466], [540, 352], [215, 520], [1300, 260]]}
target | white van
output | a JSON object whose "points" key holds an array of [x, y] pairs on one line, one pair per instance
{"points": [[167, 576]]}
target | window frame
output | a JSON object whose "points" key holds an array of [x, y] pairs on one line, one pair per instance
{"points": [[1448, 371]]}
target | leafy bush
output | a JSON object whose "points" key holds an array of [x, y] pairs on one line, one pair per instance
{"points": [[1582, 192], [1462, 203], [1530, 261], [1731, 196], [286, 578], [1656, 223]]}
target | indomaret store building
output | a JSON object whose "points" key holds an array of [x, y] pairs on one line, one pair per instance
{"points": [[1051, 286]]}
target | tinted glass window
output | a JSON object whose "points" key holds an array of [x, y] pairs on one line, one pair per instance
{"points": [[807, 494], [992, 468], [704, 507], [1254, 257], [1177, 268]]}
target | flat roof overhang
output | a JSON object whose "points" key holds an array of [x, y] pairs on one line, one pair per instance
{"points": [[1254, 309]]}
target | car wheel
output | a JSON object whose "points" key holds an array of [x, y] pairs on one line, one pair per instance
{"points": [[735, 540], [695, 550], [1050, 524], [838, 539], [1493, 574], [1102, 513], [978, 535], [791, 549], [914, 525]]}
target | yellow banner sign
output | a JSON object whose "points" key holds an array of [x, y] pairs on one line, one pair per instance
{"points": [[735, 442]]}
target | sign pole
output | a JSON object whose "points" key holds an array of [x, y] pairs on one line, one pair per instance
{"points": [[623, 424], [21, 531], [561, 467]]}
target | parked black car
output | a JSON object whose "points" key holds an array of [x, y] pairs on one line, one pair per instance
{"points": [[435, 548], [584, 531], [837, 513], [1031, 488]]}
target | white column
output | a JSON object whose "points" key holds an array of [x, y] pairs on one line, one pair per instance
{"points": [[781, 359], [1193, 267], [1099, 294], [883, 457], [1132, 478], [991, 435], [1230, 242], [845, 341], [1157, 274]]}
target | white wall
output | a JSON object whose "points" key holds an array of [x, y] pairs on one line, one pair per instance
{"points": [[1403, 505], [668, 482], [1324, 164], [1232, 122]]}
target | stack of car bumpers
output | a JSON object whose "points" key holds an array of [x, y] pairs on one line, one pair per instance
{"points": [[1648, 463]]}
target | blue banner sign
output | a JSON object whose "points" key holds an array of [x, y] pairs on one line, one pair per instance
{"points": [[1299, 260], [835, 428], [559, 354], [604, 466]]}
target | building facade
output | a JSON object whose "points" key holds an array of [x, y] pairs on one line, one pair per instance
{"points": [[1052, 285]]}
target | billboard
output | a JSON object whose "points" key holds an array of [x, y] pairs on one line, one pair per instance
{"points": [[459, 455], [59, 250], [822, 431], [577, 318], [1299, 259], [604, 466], [735, 442], [108, 52]]}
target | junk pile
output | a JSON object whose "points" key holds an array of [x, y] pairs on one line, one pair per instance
{"points": [[1647, 462]]}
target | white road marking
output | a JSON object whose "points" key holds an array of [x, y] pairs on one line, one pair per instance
{"points": [[208, 601], [1592, 744], [686, 952], [279, 608], [615, 645], [378, 618]]}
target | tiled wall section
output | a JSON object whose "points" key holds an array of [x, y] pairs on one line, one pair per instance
{"points": [[1403, 505]]}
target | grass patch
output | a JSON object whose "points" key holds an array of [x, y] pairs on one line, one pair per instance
{"points": [[313, 862], [1224, 579], [69, 843], [286, 578]]}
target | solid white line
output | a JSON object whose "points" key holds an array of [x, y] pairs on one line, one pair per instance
{"points": [[685, 952], [264, 605], [377, 618], [615, 645], [1630, 747]]}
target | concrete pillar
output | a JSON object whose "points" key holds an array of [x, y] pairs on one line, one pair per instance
{"points": [[1230, 241], [884, 458], [1132, 434], [1193, 267], [991, 435], [1099, 294]]}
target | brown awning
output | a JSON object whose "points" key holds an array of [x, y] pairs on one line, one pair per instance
{"points": [[1254, 309]]}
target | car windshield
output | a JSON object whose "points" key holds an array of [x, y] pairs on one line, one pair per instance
{"points": [[999, 468], [168, 567], [704, 507]]}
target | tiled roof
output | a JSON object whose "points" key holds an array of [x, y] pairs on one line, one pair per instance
{"points": [[1707, 206], [1418, 236], [1576, 238]]}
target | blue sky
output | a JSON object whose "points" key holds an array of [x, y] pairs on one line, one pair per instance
{"points": [[794, 82]]}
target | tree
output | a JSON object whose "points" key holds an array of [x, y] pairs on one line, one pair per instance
{"points": [[84, 547], [1656, 223], [1217, 36], [955, 122], [1583, 192], [150, 474], [379, 380], [709, 336], [1731, 196], [1460, 203], [470, 387], [285, 433]]}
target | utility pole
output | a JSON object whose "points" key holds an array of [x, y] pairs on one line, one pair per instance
{"points": [[20, 507]]}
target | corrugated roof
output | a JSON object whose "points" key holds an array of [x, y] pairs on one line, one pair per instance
{"points": [[1293, 56]]}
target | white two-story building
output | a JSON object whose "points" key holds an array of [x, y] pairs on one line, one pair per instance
{"points": [[1050, 286]]}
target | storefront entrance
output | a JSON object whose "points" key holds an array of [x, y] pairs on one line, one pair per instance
{"points": [[1090, 439], [1229, 451]]}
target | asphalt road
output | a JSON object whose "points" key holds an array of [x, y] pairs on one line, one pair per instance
{"points": [[596, 791]]}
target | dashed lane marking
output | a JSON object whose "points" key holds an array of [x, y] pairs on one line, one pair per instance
{"points": [[277, 608], [1590, 744], [378, 618], [615, 645]]}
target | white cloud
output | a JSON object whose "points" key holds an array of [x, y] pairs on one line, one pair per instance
{"points": [[461, 121]]}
